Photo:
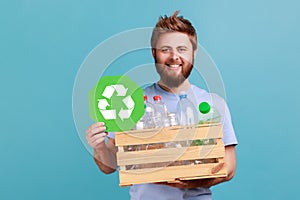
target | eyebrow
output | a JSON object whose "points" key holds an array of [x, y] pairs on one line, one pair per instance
{"points": [[166, 46], [182, 47]]}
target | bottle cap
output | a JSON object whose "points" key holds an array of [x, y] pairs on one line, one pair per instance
{"points": [[145, 97], [182, 96], [155, 98], [204, 107]]}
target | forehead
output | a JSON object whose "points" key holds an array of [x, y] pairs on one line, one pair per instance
{"points": [[173, 39]]}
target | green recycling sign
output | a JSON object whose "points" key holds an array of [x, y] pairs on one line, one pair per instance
{"points": [[117, 101]]}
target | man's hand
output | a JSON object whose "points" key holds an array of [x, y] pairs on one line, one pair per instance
{"points": [[95, 135], [188, 184], [230, 160], [104, 153]]}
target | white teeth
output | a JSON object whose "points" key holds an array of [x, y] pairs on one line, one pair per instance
{"points": [[174, 66]]}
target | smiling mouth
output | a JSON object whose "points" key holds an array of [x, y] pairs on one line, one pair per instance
{"points": [[174, 66]]}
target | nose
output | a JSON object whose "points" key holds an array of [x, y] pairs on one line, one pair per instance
{"points": [[174, 56]]}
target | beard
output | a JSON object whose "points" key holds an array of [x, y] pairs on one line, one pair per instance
{"points": [[172, 78]]}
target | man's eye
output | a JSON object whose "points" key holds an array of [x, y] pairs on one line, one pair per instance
{"points": [[182, 49], [165, 50]]}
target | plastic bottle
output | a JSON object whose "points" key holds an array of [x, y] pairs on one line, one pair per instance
{"points": [[186, 111], [148, 117], [147, 120], [208, 114], [187, 115], [160, 112]]}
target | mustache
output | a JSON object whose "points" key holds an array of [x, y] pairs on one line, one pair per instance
{"points": [[185, 69]]}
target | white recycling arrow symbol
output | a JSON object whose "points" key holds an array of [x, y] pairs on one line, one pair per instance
{"points": [[107, 114], [121, 90], [111, 114], [125, 114], [108, 91]]}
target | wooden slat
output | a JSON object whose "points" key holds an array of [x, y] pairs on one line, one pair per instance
{"points": [[121, 149], [169, 174], [168, 134], [171, 154]]}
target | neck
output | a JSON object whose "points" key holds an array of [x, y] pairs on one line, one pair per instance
{"points": [[184, 86]]}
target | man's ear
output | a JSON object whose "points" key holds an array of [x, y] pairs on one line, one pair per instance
{"points": [[153, 52], [195, 53]]}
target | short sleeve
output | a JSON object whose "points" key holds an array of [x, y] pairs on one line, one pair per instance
{"points": [[111, 135], [229, 137]]}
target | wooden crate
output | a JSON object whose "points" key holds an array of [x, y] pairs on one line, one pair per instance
{"points": [[157, 163]]}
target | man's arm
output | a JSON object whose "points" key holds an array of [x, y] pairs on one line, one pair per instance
{"points": [[230, 160], [105, 158], [104, 153]]}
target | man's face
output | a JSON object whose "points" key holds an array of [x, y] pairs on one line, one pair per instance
{"points": [[174, 57]]}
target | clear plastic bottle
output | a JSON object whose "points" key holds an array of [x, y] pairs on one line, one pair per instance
{"points": [[208, 114], [186, 111], [187, 115], [160, 113], [148, 117], [147, 120]]}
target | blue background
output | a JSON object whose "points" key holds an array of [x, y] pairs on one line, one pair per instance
{"points": [[255, 45]]}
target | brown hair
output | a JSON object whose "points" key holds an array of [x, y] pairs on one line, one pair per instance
{"points": [[174, 23]]}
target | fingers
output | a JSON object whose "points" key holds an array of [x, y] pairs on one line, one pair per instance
{"points": [[95, 134], [97, 140], [97, 124], [177, 183], [100, 136], [96, 131], [95, 128]]}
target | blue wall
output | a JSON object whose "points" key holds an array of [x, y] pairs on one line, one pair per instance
{"points": [[255, 45]]}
